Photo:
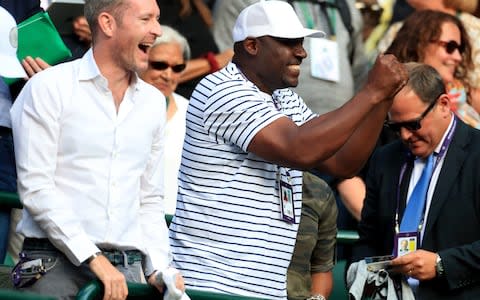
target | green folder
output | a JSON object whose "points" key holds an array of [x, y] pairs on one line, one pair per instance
{"points": [[38, 37]]}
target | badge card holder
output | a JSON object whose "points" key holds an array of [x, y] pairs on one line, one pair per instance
{"points": [[405, 242], [286, 202], [324, 59]]}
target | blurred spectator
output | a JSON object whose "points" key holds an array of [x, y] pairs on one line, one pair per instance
{"points": [[193, 21], [392, 11], [224, 15], [440, 40], [167, 60], [10, 67], [462, 9], [371, 12], [21, 10], [79, 41], [310, 271]]}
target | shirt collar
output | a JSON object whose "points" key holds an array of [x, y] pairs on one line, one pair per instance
{"points": [[88, 67], [89, 71]]}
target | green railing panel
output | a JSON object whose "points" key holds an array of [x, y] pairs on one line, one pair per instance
{"points": [[145, 291], [8, 294], [10, 200], [346, 237]]}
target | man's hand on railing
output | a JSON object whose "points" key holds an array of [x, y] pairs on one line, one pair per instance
{"points": [[173, 280], [114, 283]]}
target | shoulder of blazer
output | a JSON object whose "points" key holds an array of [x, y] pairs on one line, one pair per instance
{"points": [[466, 136]]}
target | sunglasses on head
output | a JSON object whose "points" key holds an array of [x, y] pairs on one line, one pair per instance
{"points": [[161, 65], [451, 46], [412, 125]]}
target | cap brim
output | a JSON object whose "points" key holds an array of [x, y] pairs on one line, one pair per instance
{"points": [[11, 67], [315, 33], [305, 32]]}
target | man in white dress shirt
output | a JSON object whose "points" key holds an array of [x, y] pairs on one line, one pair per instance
{"points": [[89, 179]]}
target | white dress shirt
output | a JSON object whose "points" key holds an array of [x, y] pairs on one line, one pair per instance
{"points": [[88, 176], [418, 166]]}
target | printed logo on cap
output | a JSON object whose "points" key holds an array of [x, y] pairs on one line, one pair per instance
{"points": [[13, 37]]}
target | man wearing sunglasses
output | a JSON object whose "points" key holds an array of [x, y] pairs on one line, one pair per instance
{"points": [[444, 263]]}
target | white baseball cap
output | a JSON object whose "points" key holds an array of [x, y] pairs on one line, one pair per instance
{"points": [[9, 64], [274, 18]]}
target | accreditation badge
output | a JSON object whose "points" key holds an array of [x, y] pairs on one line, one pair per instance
{"points": [[406, 242], [324, 59], [286, 202]]}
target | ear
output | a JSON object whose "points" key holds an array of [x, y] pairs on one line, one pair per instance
{"points": [[107, 24], [445, 103], [251, 45]]}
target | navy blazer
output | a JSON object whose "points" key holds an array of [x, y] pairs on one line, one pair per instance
{"points": [[453, 224]]}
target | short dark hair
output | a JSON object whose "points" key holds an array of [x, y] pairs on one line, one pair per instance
{"points": [[93, 8], [425, 81]]}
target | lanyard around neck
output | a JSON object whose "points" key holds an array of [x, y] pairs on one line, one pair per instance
{"points": [[439, 156]]}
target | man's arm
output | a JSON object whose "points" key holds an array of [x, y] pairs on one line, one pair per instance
{"points": [[152, 208], [36, 128], [197, 67], [352, 193], [456, 262], [322, 258], [329, 141], [322, 283]]}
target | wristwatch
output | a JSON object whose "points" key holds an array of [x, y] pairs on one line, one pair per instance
{"points": [[439, 266]]}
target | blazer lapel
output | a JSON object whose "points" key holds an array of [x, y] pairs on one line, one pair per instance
{"points": [[452, 165]]}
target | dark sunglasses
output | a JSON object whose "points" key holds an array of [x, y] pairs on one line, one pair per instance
{"points": [[412, 125], [451, 46], [161, 65]]}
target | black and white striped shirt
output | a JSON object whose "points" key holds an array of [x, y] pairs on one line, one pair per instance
{"points": [[227, 235]]}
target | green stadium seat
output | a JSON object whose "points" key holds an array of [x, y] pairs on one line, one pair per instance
{"points": [[10, 200]]}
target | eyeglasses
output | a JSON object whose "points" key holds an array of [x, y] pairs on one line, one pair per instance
{"points": [[161, 65], [412, 125], [451, 46]]}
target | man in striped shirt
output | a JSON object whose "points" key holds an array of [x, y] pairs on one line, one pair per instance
{"points": [[247, 138]]}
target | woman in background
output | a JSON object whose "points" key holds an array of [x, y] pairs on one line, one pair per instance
{"points": [[167, 61], [440, 40]]}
